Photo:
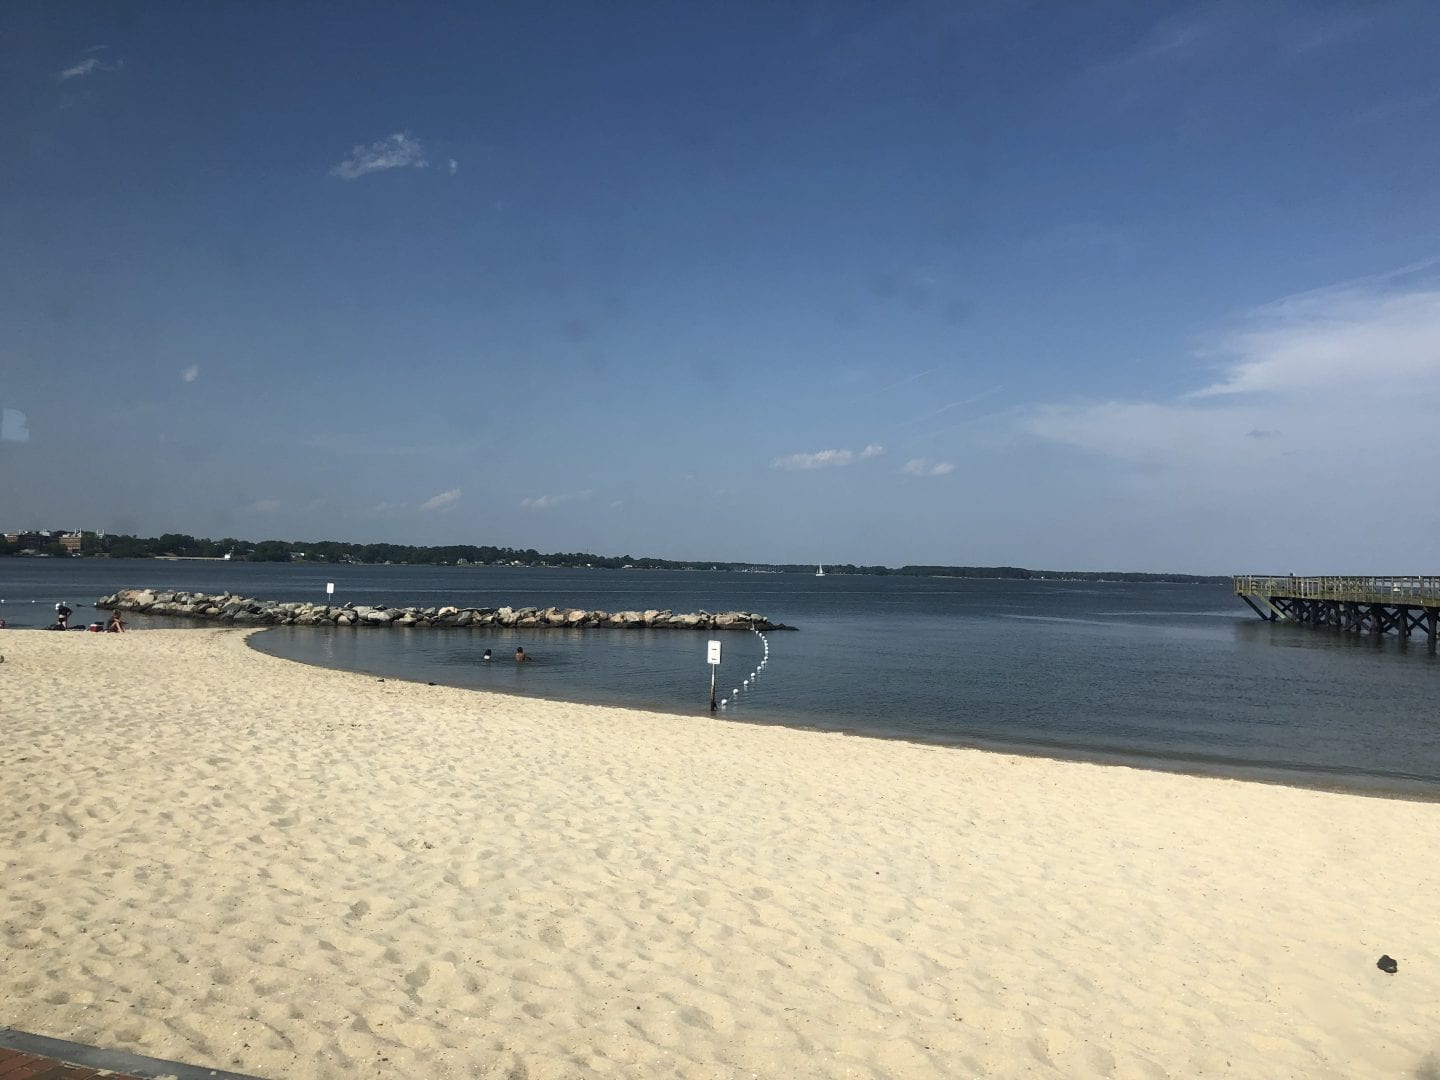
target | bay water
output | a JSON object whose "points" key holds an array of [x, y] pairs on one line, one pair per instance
{"points": [[1180, 677]]}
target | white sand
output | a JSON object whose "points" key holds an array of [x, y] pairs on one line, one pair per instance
{"points": [[215, 856]]}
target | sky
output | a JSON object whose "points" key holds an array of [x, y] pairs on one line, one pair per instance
{"points": [[1129, 285]]}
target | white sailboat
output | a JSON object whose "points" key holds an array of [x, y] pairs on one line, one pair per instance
{"points": [[821, 571]]}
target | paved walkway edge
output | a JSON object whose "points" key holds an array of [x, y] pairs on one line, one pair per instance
{"points": [[93, 1057]]}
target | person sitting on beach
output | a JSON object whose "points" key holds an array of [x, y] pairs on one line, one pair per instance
{"points": [[520, 657], [487, 655], [116, 626]]}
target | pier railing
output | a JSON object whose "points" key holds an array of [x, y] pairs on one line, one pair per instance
{"points": [[1413, 589]]}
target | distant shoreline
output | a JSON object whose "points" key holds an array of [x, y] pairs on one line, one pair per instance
{"points": [[963, 573]]}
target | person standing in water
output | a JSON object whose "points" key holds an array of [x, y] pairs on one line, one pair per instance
{"points": [[486, 656], [520, 656]]}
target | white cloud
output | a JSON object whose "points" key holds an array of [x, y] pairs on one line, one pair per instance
{"points": [[1322, 341], [441, 501], [87, 67], [191, 373], [453, 166], [388, 507], [827, 459], [398, 151], [13, 426], [545, 502], [926, 467], [261, 506], [1327, 393]]}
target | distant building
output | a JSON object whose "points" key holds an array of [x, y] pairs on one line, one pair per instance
{"points": [[71, 543]]}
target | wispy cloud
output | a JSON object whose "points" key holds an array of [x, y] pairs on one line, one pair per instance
{"points": [[261, 506], [388, 507], [925, 467], [1195, 42], [453, 166], [89, 66], [13, 426], [971, 400], [827, 459], [1394, 109], [1173, 39], [1326, 339], [398, 151], [1323, 368], [441, 501], [907, 380], [191, 373], [545, 502]]}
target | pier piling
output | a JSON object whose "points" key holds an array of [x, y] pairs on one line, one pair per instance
{"points": [[1406, 604]]}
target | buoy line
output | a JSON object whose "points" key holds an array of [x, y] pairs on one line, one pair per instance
{"points": [[754, 677]]}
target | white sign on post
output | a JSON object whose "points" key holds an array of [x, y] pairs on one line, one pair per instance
{"points": [[715, 653], [329, 588]]}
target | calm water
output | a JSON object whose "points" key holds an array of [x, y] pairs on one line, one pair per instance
{"points": [[1167, 676]]}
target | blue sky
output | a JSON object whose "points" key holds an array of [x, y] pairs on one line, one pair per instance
{"points": [[1117, 285]]}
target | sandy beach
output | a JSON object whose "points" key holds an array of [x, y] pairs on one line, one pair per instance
{"points": [[219, 857]]}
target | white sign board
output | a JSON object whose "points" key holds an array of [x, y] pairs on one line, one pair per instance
{"points": [[714, 652], [329, 588]]}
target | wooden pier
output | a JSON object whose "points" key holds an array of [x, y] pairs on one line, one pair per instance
{"points": [[1404, 604]]}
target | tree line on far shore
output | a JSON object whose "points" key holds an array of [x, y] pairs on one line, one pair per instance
{"points": [[123, 546]]}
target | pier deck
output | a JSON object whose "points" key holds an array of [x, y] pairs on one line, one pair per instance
{"points": [[1404, 603]]}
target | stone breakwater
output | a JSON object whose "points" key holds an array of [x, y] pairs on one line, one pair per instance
{"points": [[228, 607]]}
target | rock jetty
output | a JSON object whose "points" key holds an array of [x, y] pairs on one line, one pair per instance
{"points": [[228, 607]]}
